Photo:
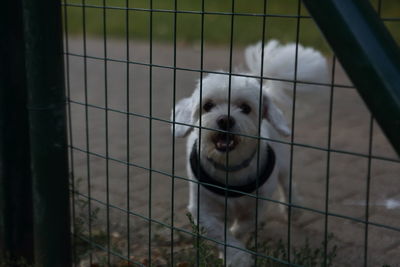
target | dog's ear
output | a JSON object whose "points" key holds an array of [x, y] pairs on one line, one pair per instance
{"points": [[183, 114], [275, 116]]}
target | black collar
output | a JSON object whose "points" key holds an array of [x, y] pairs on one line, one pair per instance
{"points": [[233, 168], [221, 188]]}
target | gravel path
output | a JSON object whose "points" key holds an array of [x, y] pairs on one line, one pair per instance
{"points": [[347, 173]]}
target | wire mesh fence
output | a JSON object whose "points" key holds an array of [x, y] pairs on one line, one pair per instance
{"points": [[128, 63]]}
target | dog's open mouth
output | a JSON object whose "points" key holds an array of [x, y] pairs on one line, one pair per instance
{"points": [[225, 142]]}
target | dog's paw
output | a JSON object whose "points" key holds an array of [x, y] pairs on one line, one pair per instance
{"points": [[239, 258], [242, 231]]}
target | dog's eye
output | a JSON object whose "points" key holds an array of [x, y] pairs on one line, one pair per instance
{"points": [[208, 106], [246, 109]]}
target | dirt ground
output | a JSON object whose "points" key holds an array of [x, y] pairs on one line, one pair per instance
{"points": [[155, 195]]}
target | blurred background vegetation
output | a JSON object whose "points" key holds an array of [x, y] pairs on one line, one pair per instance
{"points": [[280, 23]]}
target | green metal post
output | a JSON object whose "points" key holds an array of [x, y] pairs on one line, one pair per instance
{"points": [[48, 135], [16, 225], [369, 55]]}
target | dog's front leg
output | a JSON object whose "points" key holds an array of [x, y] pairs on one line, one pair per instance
{"points": [[244, 226], [284, 190], [214, 227], [212, 220]]}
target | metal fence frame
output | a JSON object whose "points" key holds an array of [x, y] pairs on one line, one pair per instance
{"points": [[367, 18], [41, 104]]}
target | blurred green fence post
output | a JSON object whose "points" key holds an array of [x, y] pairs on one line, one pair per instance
{"points": [[48, 131], [16, 226], [369, 55]]}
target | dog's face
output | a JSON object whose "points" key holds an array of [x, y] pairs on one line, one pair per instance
{"points": [[229, 119]]}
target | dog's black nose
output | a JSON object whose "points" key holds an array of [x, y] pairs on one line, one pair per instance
{"points": [[225, 123]]}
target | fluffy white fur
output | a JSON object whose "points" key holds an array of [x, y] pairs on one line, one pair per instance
{"points": [[279, 63]]}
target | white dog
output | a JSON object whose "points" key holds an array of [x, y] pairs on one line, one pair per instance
{"points": [[223, 121]]}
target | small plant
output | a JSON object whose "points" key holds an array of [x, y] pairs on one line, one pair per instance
{"points": [[8, 261], [195, 251], [307, 256], [302, 256], [276, 253], [82, 247], [205, 251]]}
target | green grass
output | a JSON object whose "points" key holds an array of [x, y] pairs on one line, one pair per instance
{"points": [[189, 250], [276, 252], [217, 27]]}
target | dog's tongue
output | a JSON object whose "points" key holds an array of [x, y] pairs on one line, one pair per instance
{"points": [[225, 144]]}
